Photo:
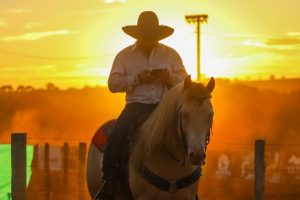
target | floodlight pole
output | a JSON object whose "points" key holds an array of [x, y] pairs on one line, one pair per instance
{"points": [[198, 19]]}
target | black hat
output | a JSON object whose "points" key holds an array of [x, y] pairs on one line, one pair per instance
{"points": [[148, 28]]}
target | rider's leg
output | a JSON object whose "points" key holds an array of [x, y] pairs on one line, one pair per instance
{"points": [[118, 136], [119, 133]]}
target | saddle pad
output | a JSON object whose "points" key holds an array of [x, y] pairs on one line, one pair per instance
{"points": [[101, 135]]}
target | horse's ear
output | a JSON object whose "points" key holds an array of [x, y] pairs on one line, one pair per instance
{"points": [[211, 84], [187, 81]]}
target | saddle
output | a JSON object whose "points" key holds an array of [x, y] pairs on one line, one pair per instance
{"points": [[102, 134]]}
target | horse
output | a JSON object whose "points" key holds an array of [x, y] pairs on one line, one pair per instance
{"points": [[167, 156]]}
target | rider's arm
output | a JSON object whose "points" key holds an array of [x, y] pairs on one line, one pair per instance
{"points": [[178, 71], [118, 81]]}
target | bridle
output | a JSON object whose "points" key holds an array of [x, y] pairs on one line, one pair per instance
{"points": [[182, 134], [174, 186]]}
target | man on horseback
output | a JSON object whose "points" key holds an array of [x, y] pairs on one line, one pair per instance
{"points": [[144, 71]]}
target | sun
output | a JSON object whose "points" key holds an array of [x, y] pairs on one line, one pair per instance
{"points": [[184, 42]]}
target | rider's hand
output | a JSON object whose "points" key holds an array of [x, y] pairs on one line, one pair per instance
{"points": [[145, 77], [165, 76]]}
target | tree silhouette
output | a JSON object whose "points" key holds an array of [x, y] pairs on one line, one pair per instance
{"points": [[29, 88], [21, 88], [7, 88], [51, 87], [272, 77]]}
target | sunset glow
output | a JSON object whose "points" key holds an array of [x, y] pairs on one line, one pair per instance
{"points": [[243, 124], [73, 43]]}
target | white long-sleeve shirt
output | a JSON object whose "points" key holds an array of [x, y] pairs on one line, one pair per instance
{"points": [[131, 61]]}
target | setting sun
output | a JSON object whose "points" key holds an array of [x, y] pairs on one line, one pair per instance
{"points": [[75, 44]]}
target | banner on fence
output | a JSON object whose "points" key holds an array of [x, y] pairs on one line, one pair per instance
{"points": [[5, 169]]}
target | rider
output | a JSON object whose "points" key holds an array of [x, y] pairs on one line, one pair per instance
{"points": [[145, 71]]}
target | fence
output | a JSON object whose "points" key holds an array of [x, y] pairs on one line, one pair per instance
{"points": [[229, 172], [58, 172]]}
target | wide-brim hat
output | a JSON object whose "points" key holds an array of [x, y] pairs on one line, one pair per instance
{"points": [[148, 28]]}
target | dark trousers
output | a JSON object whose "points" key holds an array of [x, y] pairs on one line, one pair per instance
{"points": [[119, 133]]}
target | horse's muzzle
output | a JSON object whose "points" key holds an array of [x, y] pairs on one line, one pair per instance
{"points": [[197, 158]]}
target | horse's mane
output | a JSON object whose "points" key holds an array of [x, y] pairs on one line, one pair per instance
{"points": [[157, 131], [160, 130]]}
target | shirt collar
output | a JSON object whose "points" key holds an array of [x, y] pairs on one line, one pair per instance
{"points": [[134, 47]]}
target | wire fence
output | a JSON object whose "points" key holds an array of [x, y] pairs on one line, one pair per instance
{"points": [[227, 174]]}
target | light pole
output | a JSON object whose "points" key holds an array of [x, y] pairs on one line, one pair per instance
{"points": [[197, 19]]}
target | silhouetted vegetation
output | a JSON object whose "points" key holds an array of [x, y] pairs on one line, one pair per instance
{"points": [[56, 114], [242, 112]]}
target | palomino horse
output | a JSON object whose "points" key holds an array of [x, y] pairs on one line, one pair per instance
{"points": [[165, 161]]}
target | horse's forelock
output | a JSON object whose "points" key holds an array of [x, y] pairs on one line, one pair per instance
{"points": [[196, 91]]}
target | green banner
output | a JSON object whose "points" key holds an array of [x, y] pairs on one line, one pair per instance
{"points": [[5, 169]]}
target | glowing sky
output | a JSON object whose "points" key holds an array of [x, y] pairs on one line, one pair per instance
{"points": [[73, 42]]}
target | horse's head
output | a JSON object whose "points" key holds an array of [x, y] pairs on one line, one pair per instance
{"points": [[195, 119]]}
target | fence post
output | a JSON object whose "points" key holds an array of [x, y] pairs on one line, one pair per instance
{"points": [[47, 171], [259, 169], [18, 164], [66, 168], [81, 175]]}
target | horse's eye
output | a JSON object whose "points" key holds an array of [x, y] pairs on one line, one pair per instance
{"points": [[200, 101]]}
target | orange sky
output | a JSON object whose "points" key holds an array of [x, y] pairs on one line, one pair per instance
{"points": [[73, 42]]}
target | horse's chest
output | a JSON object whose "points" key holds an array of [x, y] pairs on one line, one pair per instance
{"points": [[142, 190]]}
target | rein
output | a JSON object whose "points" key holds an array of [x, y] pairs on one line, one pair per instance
{"points": [[182, 134]]}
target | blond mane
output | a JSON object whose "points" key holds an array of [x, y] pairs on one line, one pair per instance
{"points": [[160, 130]]}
